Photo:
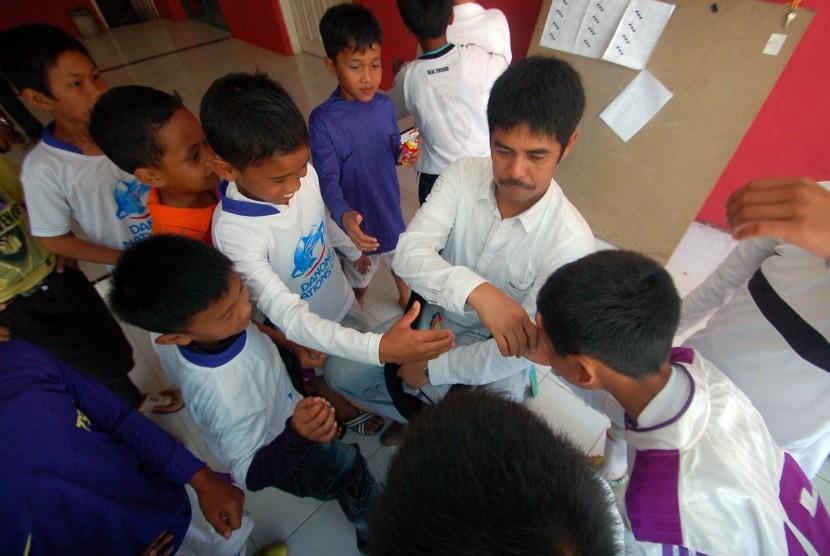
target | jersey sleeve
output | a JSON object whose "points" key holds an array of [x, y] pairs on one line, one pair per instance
{"points": [[326, 163], [47, 206]]}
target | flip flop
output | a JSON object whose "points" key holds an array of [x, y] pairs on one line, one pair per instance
{"points": [[169, 401], [360, 422]]}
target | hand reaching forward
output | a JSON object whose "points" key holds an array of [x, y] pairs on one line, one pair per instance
{"points": [[401, 344], [351, 224], [793, 209]]}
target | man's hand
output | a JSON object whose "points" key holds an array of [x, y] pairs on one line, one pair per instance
{"points": [[507, 321], [313, 419], [221, 502], [363, 264], [351, 221], [401, 344], [162, 545], [793, 209], [414, 374]]}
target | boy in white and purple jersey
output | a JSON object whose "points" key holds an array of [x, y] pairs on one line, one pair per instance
{"points": [[707, 476]]}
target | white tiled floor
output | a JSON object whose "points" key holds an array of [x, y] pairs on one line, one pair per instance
{"points": [[310, 527]]}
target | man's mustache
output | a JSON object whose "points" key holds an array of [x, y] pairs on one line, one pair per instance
{"points": [[516, 183]]}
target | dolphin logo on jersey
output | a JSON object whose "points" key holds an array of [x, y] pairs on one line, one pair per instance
{"points": [[309, 251], [128, 198]]}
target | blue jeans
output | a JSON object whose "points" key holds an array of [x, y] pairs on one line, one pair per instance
{"points": [[336, 470]]}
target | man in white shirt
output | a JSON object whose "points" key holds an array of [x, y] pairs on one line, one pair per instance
{"points": [[483, 244]]}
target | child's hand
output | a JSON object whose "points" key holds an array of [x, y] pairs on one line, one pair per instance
{"points": [[307, 357], [402, 344], [313, 419], [363, 264], [351, 223], [409, 158]]}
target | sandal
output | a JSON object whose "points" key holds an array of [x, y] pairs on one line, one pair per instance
{"points": [[360, 423], [169, 401]]}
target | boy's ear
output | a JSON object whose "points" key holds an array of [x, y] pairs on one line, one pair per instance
{"points": [[37, 99], [330, 65], [149, 176], [588, 368], [173, 339], [566, 149], [223, 169]]}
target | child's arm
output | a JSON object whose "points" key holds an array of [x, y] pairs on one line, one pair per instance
{"points": [[67, 245], [307, 357], [398, 93], [327, 164]]}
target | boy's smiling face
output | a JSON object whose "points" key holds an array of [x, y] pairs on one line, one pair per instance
{"points": [[76, 85], [274, 180], [185, 165], [357, 72]]}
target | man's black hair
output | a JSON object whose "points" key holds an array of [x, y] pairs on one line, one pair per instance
{"points": [[162, 282], [249, 117], [543, 92], [349, 27], [126, 124], [619, 307], [479, 475], [427, 19], [28, 52]]}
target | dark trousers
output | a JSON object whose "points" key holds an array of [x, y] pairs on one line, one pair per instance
{"points": [[66, 317], [425, 183], [336, 470]]}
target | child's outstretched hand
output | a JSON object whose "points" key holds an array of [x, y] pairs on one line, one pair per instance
{"points": [[363, 264], [313, 419], [351, 221]]}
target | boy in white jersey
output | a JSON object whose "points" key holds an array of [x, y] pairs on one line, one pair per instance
{"points": [[706, 475], [66, 177], [271, 221], [233, 379], [446, 89]]}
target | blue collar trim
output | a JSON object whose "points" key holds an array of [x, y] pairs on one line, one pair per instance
{"points": [[437, 53], [243, 208], [52, 141], [214, 360]]}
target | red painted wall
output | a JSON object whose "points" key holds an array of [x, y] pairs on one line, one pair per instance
{"points": [[171, 9], [791, 133], [258, 22], [51, 12]]}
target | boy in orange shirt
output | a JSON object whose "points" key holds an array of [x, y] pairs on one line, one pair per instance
{"points": [[152, 135]]}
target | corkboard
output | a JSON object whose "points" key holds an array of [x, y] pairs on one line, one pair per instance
{"points": [[644, 194]]}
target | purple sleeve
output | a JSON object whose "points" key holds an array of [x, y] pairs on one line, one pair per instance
{"points": [[155, 448], [326, 163], [272, 463]]}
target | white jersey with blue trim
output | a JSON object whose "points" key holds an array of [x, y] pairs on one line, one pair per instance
{"points": [[61, 184]]}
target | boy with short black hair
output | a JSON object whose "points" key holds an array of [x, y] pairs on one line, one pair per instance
{"points": [[232, 377], [446, 89], [66, 177], [355, 146], [707, 476], [478, 474], [151, 134], [271, 222]]}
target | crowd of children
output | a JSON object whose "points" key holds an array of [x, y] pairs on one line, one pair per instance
{"points": [[244, 241]]}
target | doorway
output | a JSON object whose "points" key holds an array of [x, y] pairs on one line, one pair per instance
{"points": [[302, 17]]}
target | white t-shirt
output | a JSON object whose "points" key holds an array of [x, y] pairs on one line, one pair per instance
{"points": [[239, 399], [447, 92], [486, 28], [789, 391], [709, 478], [286, 258], [458, 240], [61, 183]]}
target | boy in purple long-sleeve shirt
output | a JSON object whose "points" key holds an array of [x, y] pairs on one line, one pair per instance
{"points": [[355, 144]]}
